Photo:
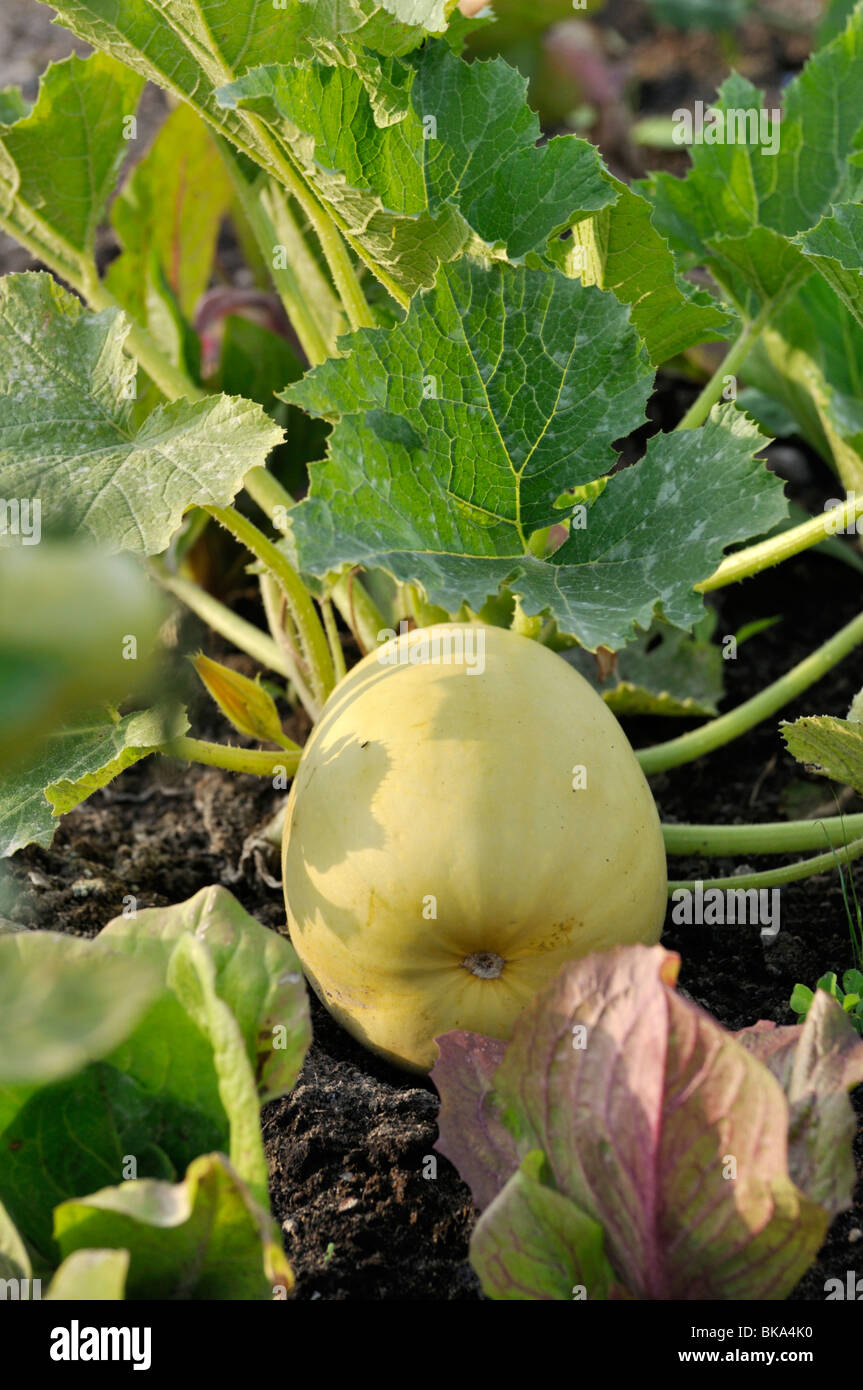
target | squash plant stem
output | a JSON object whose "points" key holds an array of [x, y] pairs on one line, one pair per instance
{"points": [[245, 636], [717, 732], [284, 631], [259, 762], [316, 651], [751, 560], [264, 489], [774, 878], [267, 492], [329, 235], [336, 650], [300, 307], [729, 366], [348, 593], [770, 837]]}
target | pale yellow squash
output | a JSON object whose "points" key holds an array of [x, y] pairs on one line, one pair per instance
{"points": [[457, 829]]}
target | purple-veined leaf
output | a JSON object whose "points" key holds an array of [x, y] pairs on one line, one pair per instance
{"points": [[485, 1152], [707, 1179], [817, 1063]]}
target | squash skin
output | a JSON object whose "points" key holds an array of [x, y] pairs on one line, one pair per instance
{"points": [[422, 779]]}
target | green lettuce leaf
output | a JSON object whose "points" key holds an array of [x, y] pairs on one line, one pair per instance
{"points": [[701, 1156], [816, 1065], [66, 615], [203, 1238], [142, 1080], [14, 1260], [257, 974], [61, 1007], [90, 1276], [535, 1244]]}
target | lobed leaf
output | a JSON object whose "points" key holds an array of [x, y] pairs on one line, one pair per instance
{"points": [[193, 49], [620, 250], [835, 245], [829, 746], [664, 671], [457, 432], [461, 160], [779, 230], [808, 361], [67, 433], [740, 185], [70, 766], [53, 204]]}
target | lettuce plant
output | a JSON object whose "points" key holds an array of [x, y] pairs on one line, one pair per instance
{"points": [[132, 1071], [625, 1145]]}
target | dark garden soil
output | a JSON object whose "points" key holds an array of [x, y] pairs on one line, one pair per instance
{"points": [[348, 1148]]}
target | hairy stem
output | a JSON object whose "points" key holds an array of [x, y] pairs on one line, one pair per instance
{"points": [[332, 244], [244, 635], [717, 732], [349, 595], [265, 489], [317, 288], [359, 611], [316, 651], [258, 762], [332, 632], [296, 303], [774, 878], [282, 628], [755, 558], [729, 366], [768, 837]]}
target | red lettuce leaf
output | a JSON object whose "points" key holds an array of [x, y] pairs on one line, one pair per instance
{"points": [[534, 1244], [816, 1064], [709, 1176], [472, 1135]]}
